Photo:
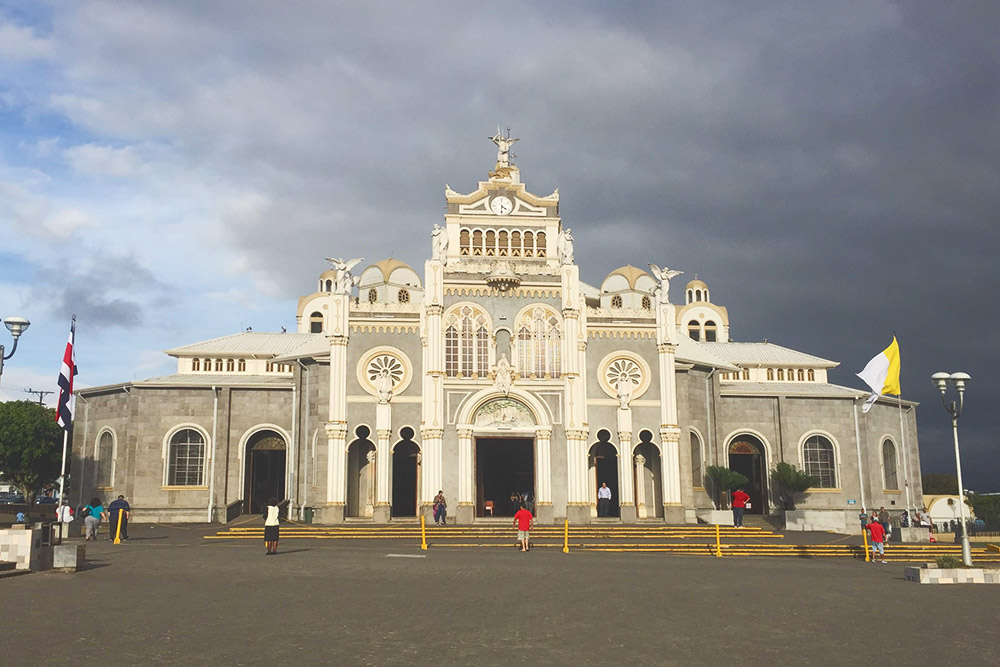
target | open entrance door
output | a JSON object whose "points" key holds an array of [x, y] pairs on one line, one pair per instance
{"points": [[604, 468], [265, 470], [405, 468], [746, 456], [505, 467]]}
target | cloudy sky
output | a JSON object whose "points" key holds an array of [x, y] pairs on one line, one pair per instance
{"points": [[172, 172]]}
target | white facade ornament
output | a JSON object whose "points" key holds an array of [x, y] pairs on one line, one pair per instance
{"points": [[663, 276], [503, 148], [439, 244], [384, 384], [503, 413], [505, 375], [640, 460], [624, 386], [566, 246], [343, 282]]}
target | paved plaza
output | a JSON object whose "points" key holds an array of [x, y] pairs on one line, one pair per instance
{"points": [[170, 596]]}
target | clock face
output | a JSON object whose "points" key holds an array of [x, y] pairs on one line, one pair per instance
{"points": [[501, 205]]}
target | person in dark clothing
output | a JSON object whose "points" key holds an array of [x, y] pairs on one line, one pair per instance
{"points": [[119, 510]]}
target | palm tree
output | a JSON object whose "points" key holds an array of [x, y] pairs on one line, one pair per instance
{"points": [[723, 480]]}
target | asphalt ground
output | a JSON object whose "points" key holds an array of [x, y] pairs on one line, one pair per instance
{"points": [[169, 596]]}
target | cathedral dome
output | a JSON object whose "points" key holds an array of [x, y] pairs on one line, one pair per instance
{"points": [[696, 284], [631, 275], [326, 280]]}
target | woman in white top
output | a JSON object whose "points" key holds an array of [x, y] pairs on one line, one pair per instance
{"points": [[271, 526]]}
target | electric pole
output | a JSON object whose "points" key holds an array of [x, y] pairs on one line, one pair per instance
{"points": [[41, 394]]}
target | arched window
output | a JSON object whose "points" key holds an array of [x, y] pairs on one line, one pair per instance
{"points": [[889, 476], [539, 344], [770, 374], [819, 462], [372, 295], [463, 242], [801, 374], [491, 243], [710, 331], [694, 330], [104, 459], [781, 374], [647, 303], [477, 242], [515, 244], [697, 295], [218, 365], [540, 244], [186, 458], [466, 343], [746, 373], [196, 364], [230, 365], [697, 479], [812, 375], [529, 244], [316, 322], [616, 301], [504, 243], [404, 296], [690, 294], [242, 365], [791, 374]]}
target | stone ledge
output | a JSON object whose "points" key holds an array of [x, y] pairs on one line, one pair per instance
{"points": [[961, 575]]}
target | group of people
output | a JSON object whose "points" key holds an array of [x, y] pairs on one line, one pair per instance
{"points": [[117, 514], [519, 500]]}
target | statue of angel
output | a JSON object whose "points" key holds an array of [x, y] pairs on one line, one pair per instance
{"points": [[663, 276], [439, 244], [343, 282]]}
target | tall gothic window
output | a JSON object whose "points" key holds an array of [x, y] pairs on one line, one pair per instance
{"points": [[104, 458], [818, 457], [467, 343], [539, 344], [186, 458], [890, 478], [696, 475]]}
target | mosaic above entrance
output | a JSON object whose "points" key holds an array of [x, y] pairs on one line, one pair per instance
{"points": [[503, 413]]}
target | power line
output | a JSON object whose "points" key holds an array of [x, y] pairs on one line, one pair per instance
{"points": [[41, 394]]}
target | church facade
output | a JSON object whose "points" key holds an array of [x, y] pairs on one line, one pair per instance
{"points": [[493, 374]]}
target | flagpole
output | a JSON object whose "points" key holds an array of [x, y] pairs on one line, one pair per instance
{"points": [[857, 441], [62, 467], [902, 440]]}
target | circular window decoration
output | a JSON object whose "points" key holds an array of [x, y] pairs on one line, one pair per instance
{"points": [[616, 301], [629, 364], [390, 360]]}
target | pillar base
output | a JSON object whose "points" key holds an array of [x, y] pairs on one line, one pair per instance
{"points": [[628, 513], [465, 514], [546, 514], [382, 514], [332, 513], [674, 514], [578, 514]]}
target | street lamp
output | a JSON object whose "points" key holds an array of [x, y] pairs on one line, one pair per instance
{"points": [[954, 408], [17, 326]]}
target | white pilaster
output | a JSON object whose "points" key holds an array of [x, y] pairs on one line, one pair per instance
{"points": [[640, 486], [543, 467], [466, 492]]}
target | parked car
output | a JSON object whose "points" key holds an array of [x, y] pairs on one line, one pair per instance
{"points": [[12, 499], [45, 500]]}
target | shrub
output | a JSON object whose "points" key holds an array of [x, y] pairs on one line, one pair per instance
{"points": [[792, 482], [724, 479], [948, 562]]}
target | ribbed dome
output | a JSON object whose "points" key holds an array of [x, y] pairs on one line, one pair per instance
{"points": [[630, 274], [387, 266], [696, 284]]}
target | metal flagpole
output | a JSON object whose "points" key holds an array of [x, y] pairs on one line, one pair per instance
{"points": [[62, 467], [857, 441], [906, 468]]}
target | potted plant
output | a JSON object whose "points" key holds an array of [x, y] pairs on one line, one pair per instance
{"points": [[723, 480], [792, 482]]}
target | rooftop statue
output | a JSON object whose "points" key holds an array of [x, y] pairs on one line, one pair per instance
{"points": [[344, 281], [663, 276]]}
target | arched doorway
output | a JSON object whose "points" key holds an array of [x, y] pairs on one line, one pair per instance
{"points": [[748, 457], [405, 474], [264, 476], [503, 457], [361, 475], [603, 460], [648, 485]]}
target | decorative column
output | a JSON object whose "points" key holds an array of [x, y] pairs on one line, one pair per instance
{"points": [[383, 463], [370, 486], [543, 471], [336, 428], [577, 495], [466, 511], [626, 500], [574, 359], [666, 333], [432, 431], [640, 487]]}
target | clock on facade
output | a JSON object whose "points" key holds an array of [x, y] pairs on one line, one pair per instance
{"points": [[501, 205]]}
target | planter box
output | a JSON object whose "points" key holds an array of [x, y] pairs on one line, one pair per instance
{"points": [[712, 517], [820, 520], [961, 575]]}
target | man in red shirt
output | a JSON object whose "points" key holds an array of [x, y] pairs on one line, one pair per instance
{"points": [[878, 538], [523, 520], [740, 499]]}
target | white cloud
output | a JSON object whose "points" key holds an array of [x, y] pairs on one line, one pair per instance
{"points": [[20, 43]]}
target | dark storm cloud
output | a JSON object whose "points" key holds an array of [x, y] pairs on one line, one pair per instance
{"points": [[829, 169]]}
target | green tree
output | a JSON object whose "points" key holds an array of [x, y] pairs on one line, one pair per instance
{"points": [[723, 480], [792, 482], [985, 507], [30, 446], [937, 484]]}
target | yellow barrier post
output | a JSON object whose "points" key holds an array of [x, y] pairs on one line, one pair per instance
{"points": [[566, 538], [118, 530], [718, 543], [423, 534], [864, 536]]}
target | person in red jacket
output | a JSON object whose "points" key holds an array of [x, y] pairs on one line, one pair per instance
{"points": [[878, 538], [740, 499], [523, 520]]}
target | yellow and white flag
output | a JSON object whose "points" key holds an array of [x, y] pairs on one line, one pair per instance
{"points": [[882, 374]]}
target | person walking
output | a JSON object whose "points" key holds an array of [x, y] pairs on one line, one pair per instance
{"points": [[440, 509], [603, 499], [885, 520], [271, 513], [740, 499], [523, 520], [92, 514], [878, 539], [119, 512]]}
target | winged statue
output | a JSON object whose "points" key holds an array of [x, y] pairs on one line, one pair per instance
{"points": [[344, 281], [663, 276]]}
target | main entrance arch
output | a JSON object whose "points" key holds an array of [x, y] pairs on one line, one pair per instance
{"points": [[405, 474], [264, 473], [748, 456], [603, 461]]}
